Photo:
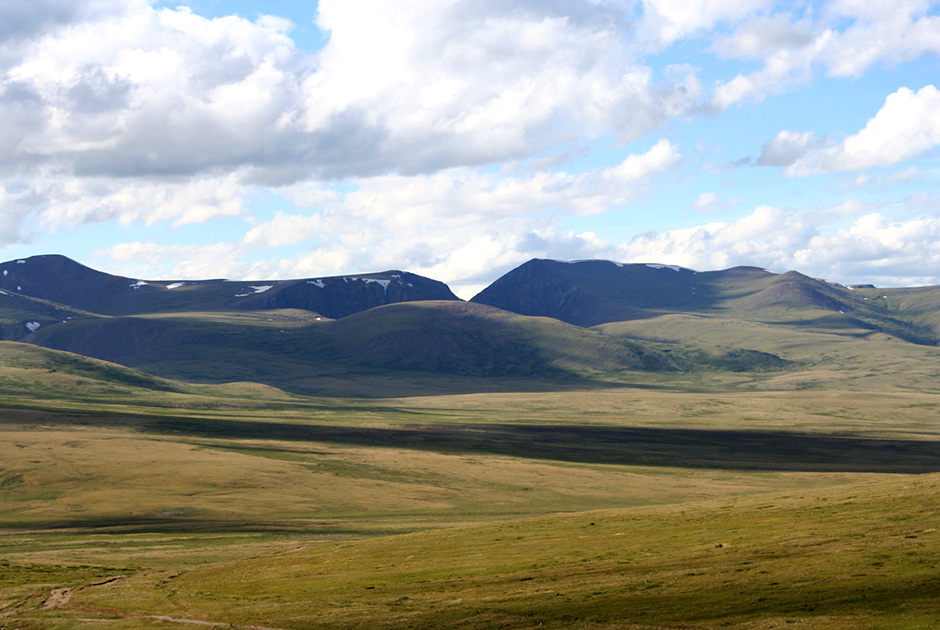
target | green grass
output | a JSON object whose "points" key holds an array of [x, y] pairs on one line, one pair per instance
{"points": [[755, 499], [862, 556]]}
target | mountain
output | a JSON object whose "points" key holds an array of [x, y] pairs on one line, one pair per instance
{"points": [[586, 320], [67, 283], [440, 337], [593, 292]]}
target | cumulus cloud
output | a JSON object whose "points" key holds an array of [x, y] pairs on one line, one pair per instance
{"points": [[907, 126], [787, 147], [844, 40], [403, 87], [153, 261], [141, 94], [465, 197], [665, 21], [871, 248], [706, 202], [762, 36], [459, 223], [417, 137], [74, 201], [22, 20], [446, 84]]}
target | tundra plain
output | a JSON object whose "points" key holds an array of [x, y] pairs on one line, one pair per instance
{"points": [[735, 449], [706, 500]]}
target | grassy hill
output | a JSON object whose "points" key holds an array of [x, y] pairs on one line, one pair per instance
{"points": [[589, 293], [443, 338], [733, 449], [28, 372], [863, 556]]}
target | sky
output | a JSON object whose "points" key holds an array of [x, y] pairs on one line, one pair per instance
{"points": [[457, 139]]}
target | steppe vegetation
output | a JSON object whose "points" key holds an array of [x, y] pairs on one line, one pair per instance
{"points": [[734, 449], [692, 500]]}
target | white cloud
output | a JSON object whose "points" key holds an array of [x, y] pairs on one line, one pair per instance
{"points": [[456, 225], [907, 126], [870, 249], [787, 147], [665, 21], [706, 202], [435, 85], [140, 95], [153, 261], [74, 201], [762, 36], [400, 207], [845, 40]]}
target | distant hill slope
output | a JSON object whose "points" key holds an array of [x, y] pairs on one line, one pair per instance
{"points": [[445, 337], [63, 281], [593, 292], [28, 370], [544, 320]]}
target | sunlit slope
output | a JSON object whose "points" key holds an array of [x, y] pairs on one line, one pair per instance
{"points": [[920, 305], [850, 357], [28, 371], [476, 339], [588, 293], [862, 556]]}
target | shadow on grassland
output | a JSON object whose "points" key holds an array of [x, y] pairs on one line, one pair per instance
{"points": [[680, 448]]}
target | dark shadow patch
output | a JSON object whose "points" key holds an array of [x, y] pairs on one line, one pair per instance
{"points": [[634, 446]]}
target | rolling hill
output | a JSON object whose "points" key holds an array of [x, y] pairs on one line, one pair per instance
{"points": [[544, 320], [593, 292]]}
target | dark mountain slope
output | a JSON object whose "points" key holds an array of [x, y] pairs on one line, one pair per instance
{"points": [[467, 338], [444, 337], [66, 282], [589, 293], [21, 316]]}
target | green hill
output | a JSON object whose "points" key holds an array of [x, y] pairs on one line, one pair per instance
{"points": [[588, 293]]}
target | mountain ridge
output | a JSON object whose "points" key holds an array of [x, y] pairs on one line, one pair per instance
{"points": [[543, 320], [69, 283]]}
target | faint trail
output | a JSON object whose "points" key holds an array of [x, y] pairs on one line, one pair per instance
{"points": [[213, 624], [60, 597]]}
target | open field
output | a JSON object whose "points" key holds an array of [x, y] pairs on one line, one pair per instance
{"points": [[713, 505]]}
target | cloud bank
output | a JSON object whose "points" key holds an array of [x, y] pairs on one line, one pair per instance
{"points": [[454, 138]]}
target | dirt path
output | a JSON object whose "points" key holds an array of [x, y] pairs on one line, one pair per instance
{"points": [[59, 597]]}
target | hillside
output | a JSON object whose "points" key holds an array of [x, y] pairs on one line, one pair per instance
{"points": [[278, 347], [732, 449], [596, 321], [593, 292], [70, 284]]}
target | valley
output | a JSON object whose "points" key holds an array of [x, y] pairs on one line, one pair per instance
{"points": [[752, 458]]}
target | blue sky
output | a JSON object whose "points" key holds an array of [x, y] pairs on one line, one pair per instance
{"points": [[457, 139]]}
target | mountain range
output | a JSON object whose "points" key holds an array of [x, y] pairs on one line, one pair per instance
{"points": [[546, 319]]}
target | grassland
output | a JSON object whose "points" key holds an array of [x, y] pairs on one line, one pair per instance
{"points": [[805, 497]]}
